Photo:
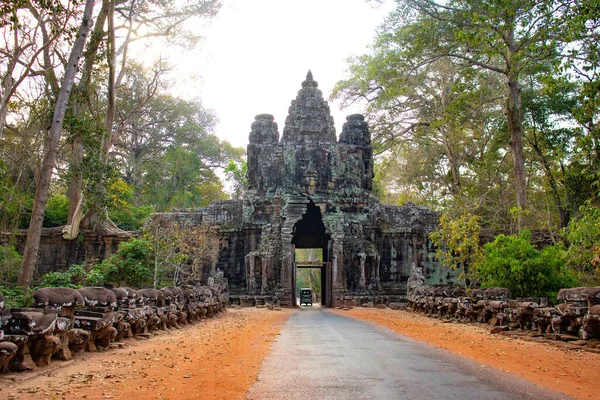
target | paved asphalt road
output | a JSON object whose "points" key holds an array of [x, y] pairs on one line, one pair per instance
{"points": [[322, 355]]}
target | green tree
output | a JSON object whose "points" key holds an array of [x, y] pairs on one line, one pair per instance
{"points": [[57, 211], [582, 63], [458, 242], [489, 35], [122, 209], [486, 36], [583, 235], [118, 25], [48, 161], [431, 122], [236, 174], [179, 179], [16, 198], [550, 134]]}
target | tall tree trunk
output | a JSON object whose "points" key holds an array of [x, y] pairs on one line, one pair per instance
{"points": [[75, 189], [74, 192], [111, 58], [563, 211], [454, 167], [514, 117], [45, 174], [514, 114]]}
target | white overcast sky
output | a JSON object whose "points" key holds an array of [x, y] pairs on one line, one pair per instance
{"points": [[256, 53]]}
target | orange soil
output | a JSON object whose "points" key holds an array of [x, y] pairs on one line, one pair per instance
{"points": [[215, 359], [575, 373]]}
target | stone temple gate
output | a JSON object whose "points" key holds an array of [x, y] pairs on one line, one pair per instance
{"points": [[308, 189]]}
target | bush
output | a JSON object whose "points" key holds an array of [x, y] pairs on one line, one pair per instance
{"points": [[58, 279], [75, 277], [130, 265], [583, 255], [18, 297], [129, 217], [10, 265], [57, 211], [95, 277], [514, 263]]}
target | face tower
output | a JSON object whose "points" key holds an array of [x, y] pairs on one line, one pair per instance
{"points": [[309, 159], [309, 189]]}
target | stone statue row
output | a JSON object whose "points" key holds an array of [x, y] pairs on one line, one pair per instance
{"points": [[67, 320], [576, 317]]}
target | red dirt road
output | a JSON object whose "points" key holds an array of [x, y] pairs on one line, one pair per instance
{"points": [[575, 373], [216, 359], [220, 359]]}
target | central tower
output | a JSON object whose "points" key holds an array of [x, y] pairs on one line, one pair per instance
{"points": [[309, 119], [309, 159]]}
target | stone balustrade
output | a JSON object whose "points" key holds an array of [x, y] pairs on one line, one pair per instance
{"points": [[64, 320], [575, 317]]}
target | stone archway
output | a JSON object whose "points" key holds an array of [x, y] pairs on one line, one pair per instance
{"points": [[309, 233]]}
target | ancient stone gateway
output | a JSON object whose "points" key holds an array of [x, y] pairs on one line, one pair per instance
{"points": [[310, 190]]}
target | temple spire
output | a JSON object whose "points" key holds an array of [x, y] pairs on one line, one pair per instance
{"points": [[309, 82], [309, 119]]}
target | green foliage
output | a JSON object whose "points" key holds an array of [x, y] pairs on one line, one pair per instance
{"points": [[121, 208], [95, 277], [15, 200], [17, 297], [10, 265], [513, 262], [236, 174], [434, 87], [169, 152], [130, 218], [57, 279], [97, 176], [180, 179], [75, 277], [57, 211], [583, 235], [457, 242], [90, 169], [435, 123], [131, 265]]}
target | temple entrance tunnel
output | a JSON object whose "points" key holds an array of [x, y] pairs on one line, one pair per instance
{"points": [[311, 257]]}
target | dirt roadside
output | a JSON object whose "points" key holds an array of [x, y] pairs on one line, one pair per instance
{"points": [[575, 373], [216, 359]]}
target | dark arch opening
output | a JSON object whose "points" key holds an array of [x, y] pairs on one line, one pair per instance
{"points": [[309, 233]]}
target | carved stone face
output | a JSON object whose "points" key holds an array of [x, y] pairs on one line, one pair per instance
{"points": [[312, 169]]}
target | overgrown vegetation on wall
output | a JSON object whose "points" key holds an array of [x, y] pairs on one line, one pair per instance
{"points": [[513, 262], [165, 255]]}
